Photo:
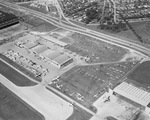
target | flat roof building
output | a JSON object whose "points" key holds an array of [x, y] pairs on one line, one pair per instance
{"points": [[46, 53], [39, 49], [133, 93], [54, 40], [62, 60], [30, 45], [54, 55], [7, 20]]}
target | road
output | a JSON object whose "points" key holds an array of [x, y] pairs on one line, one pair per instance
{"points": [[66, 25], [85, 31]]}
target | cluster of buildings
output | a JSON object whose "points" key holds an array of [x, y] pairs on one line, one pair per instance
{"points": [[57, 58], [7, 20]]}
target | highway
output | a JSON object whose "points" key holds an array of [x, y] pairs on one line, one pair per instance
{"points": [[72, 27], [85, 31]]}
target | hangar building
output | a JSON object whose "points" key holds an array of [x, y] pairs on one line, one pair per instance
{"points": [[135, 94], [62, 60]]}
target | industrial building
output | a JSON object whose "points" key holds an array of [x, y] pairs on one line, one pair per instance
{"points": [[30, 45], [62, 60], [7, 20], [53, 55], [59, 59], [135, 94], [39, 49], [46, 53]]}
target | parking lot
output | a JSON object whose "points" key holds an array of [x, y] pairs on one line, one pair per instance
{"points": [[12, 31], [116, 108], [94, 50], [86, 84]]}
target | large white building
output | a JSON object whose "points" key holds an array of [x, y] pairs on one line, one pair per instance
{"points": [[62, 60], [135, 94]]}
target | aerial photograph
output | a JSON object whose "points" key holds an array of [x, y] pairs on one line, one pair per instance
{"points": [[74, 59]]}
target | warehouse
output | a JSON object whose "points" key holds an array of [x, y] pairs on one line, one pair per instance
{"points": [[62, 61], [46, 53], [39, 49], [7, 20], [53, 55], [30, 45], [133, 93]]}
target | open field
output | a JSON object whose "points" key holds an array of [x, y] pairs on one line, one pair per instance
{"points": [[94, 50], [86, 84], [13, 108], [142, 28], [12, 31], [141, 74], [15, 77], [39, 8], [44, 27], [32, 20], [79, 114]]}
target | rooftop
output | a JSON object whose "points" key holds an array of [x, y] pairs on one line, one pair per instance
{"points": [[54, 55], [39, 48], [4, 17], [61, 59], [30, 45]]}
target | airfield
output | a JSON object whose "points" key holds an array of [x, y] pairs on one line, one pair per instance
{"points": [[70, 75]]}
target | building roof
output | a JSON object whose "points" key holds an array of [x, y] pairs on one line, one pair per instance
{"points": [[54, 55], [46, 53], [54, 40], [133, 93], [61, 59], [30, 45], [39, 49]]}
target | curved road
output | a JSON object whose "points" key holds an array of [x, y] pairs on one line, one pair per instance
{"points": [[79, 29]]}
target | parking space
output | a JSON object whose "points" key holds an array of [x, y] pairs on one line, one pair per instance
{"points": [[94, 50], [115, 107], [87, 83]]}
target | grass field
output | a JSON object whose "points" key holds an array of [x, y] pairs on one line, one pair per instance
{"points": [[140, 27], [41, 9], [141, 74], [14, 76], [79, 114], [13, 108], [44, 27], [95, 50], [86, 84]]}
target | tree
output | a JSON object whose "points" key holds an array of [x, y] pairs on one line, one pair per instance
{"points": [[91, 14]]}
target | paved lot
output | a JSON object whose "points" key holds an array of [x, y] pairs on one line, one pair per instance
{"points": [[86, 84], [13, 108], [95, 51], [115, 107]]}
